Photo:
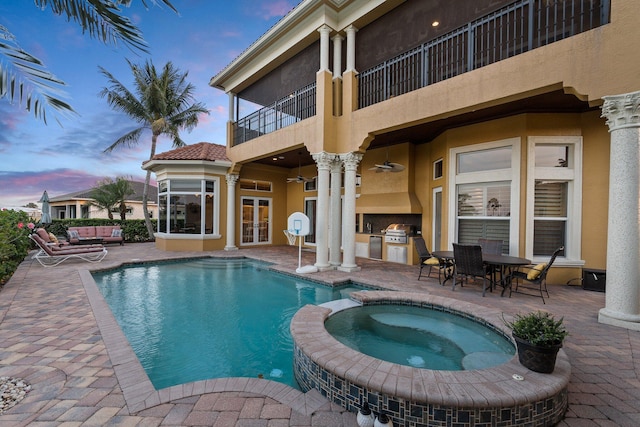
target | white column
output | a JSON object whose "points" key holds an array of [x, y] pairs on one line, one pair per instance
{"points": [[324, 31], [323, 160], [337, 56], [622, 300], [351, 48], [232, 179], [335, 226], [231, 107], [351, 161]]}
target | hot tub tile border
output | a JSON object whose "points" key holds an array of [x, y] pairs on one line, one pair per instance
{"points": [[433, 404]]}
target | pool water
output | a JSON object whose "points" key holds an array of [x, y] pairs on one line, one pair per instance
{"points": [[420, 337], [208, 318]]}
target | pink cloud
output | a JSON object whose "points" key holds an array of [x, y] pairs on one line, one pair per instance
{"points": [[20, 188], [275, 9]]}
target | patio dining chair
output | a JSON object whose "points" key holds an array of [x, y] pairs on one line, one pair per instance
{"points": [[533, 280], [468, 263], [494, 247], [491, 246], [427, 259]]}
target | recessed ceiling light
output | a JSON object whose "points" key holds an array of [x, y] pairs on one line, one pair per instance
{"points": [[435, 23]]}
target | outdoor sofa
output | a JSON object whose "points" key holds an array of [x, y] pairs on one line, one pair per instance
{"points": [[108, 233]]}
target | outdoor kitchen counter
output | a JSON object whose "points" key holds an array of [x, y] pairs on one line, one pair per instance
{"points": [[412, 255]]}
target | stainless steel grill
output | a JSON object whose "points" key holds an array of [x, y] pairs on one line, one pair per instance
{"points": [[398, 233]]}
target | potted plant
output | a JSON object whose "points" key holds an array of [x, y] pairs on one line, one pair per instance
{"points": [[538, 337]]}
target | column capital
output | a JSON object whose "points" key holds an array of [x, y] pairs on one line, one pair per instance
{"points": [[324, 160], [232, 179], [351, 29], [351, 161], [325, 29], [622, 111]]}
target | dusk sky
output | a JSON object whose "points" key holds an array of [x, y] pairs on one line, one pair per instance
{"points": [[202, 39]]}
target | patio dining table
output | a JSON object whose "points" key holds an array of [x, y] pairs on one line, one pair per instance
{"points": [[503, 263]]}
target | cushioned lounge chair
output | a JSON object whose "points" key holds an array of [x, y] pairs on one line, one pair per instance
{"points": [[51, 255]]}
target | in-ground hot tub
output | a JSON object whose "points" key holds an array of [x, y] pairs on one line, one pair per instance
{"points": [[507, 394]]}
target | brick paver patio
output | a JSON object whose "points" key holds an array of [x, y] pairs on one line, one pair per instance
{"points": [[81, 375]]}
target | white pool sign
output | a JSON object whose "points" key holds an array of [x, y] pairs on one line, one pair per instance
{"points": [[298, 224]]}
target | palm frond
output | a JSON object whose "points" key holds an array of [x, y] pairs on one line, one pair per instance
{"points": [[101, 19], [129, 139], [25, 80]]}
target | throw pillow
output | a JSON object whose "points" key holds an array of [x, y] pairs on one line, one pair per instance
{"points": [[44, 235], [53, 238], [535, 271], [116, 232], [73, 234]]}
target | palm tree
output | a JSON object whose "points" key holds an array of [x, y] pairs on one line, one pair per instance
{"points": [[162, 103], [103, 198], [25, 79], [110, 195]]}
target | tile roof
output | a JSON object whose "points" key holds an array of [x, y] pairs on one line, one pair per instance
{"points": [[199, 151]]}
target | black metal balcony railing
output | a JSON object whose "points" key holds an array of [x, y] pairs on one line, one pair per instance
{"points": [[522, 26], [300, 105]]}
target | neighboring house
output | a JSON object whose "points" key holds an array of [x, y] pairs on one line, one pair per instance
{"points": [[78, 204], [511, 120]]}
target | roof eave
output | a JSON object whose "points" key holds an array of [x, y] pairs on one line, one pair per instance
{"points": [[155, 163]]}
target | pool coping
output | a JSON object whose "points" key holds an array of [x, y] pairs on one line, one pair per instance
{"points": [[507, 385], [140, 394]]}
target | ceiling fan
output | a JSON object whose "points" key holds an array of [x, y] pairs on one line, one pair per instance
{"points": [[387, 166], [299, 179]]}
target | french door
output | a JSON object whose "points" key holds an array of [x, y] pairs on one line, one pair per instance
{"points": [[256, 228]]}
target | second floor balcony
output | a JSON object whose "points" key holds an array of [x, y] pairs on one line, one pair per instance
{"points": [[519, 27], [298, 106]]}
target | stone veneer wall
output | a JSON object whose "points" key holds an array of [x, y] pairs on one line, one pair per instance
{"points": [[414, 397]]}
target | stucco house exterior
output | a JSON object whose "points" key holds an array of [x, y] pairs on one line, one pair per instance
{"points": [[78, 204], [513, 120]]}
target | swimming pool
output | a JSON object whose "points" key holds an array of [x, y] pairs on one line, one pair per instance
{"points": [[209, 318]]}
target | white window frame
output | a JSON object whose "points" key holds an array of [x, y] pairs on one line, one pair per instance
{"points": [[314, 219], [216, 208], [435, 245], [573, 176], [441, 162], [510, 174]]}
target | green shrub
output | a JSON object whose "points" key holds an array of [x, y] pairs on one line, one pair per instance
{"points": [[538, 328], [15, 228]]}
